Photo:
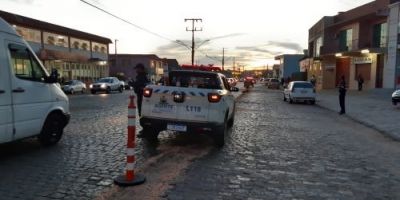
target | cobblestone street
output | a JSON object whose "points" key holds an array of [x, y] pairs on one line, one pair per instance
{"points": [[275, 150], [278, 150], [88, 157]]}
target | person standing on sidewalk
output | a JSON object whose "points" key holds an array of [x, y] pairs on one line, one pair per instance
{"points": [[313, 81], [342, 95], [139, 84], [360, 81]]}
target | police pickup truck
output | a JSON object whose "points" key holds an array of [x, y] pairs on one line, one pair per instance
{"points": [[191, 102]]}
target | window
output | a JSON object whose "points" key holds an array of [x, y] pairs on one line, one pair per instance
{"points": [[318, 45], [346, 40], [25, 65], [379, 35], [80, 44], [55, 39], [100, 48], [29, 34]]}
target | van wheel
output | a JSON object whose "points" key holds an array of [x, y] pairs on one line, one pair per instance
{"points": [[72, 91], [121, 89], [83, 91], [312, 102], [108, 90], [290, 100], [93, 92], [52, 130]]}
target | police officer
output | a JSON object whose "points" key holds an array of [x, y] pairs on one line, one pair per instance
{"points": [[342, 95], [139, 84]]}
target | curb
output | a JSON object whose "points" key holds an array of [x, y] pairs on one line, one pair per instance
{"points": [[366, 124]]}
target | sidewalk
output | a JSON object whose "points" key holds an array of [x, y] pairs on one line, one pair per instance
{"points": [[372, 108]]}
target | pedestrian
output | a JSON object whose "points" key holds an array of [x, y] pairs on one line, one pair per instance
{"points": [[54, 74], [360, 81], [342, 95], [313, 80], [139, 84]]}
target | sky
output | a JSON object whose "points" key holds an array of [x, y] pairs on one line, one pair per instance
{"points": [[252, 32]]}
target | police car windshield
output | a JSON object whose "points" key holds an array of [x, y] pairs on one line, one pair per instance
{"points": [[195, 80]]}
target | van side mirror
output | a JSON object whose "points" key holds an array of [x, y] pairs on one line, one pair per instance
{"points": [[234, 89]]}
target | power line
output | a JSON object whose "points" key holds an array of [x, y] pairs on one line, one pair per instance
{"points": [[130, 23]]}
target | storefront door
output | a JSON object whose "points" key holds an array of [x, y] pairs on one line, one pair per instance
{"points": [[379, 71], [342, 68]]}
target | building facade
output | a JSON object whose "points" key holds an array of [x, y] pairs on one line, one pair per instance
{"points": [[288, 65], [75, 54], [122, 66], [356, 44]]}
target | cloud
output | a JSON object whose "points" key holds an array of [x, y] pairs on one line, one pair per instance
{"points": [[227, 36], [23, 1], [286, 45]]}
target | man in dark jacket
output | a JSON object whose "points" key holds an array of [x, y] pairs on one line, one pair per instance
{"points": [[342, 95], [139, 84]]}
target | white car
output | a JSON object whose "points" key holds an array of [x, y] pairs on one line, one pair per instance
{"points": [[297, 91], [396, 97], [73, 86], [31, 103], [194, 101], [107, 85]]}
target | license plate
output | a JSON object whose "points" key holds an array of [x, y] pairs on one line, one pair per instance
{"points": [[177, 127]]}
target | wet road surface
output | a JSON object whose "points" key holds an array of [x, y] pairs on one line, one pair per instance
{"points": [[281, 151]]}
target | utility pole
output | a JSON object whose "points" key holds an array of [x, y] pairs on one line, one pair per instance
{"points": [[193, 29], [223, 58], [115, 51], [234, 72]]}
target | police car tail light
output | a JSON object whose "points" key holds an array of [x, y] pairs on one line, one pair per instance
{"points": [[214, 97], [147, 92], [179, 97]]}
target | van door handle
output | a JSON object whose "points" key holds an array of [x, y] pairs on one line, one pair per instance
{"points": [[18, 90], [2, 91]]}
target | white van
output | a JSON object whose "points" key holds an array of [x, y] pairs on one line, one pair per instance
{"points": [[31, 103]]}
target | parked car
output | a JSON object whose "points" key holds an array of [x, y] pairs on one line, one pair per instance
{"points": [[107, 85], [31, 103], [273, 83], [396, 97], [299, 91], [73, 86]]}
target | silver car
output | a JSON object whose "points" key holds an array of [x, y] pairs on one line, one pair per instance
{"points": [[74, 86], [396, 97]]}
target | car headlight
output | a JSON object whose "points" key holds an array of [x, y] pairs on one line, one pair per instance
{"points": [[103, 85], [90, 86]]}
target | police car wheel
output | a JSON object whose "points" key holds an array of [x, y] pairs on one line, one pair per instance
{"points": [[150, 133]]}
